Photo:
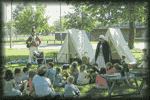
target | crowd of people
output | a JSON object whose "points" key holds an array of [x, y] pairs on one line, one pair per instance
{"points": [[45, 79]]}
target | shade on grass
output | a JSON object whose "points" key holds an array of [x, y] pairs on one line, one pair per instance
{"points": [[85, 89]]}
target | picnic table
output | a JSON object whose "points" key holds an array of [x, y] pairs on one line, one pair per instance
{"points": [[112, 79]]}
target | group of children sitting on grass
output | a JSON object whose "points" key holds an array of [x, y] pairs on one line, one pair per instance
{"points": [[44, 81]]}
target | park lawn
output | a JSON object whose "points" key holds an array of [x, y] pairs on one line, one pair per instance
{"points": [[86, 90]]}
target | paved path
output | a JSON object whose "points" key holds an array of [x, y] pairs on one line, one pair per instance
{"points": [[58, 46]]}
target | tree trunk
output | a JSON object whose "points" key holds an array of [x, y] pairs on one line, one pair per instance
{"points": [[132, 32], [132, 28]]}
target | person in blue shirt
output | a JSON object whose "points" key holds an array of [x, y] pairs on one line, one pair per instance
{"points": [[71, 91], [25, 76], [51, 72], [42, 85], [58, 79]]}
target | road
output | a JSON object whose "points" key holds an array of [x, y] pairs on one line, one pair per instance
{"points": [[58, 46]]}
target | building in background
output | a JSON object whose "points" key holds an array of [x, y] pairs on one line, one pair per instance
{"points": [[140, 32]]}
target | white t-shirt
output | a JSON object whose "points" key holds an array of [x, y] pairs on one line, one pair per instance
{"points": [[42, 86], [82, 76]]}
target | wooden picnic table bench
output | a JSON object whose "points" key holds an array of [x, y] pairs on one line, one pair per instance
{"points": [[116, 77]]}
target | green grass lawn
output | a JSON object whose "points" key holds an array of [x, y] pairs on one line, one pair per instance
{"points": [[12, 54]]}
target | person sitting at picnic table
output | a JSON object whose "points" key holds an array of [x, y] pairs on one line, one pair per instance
{"points": [[144, 63], [101, 82], [110, 68]]}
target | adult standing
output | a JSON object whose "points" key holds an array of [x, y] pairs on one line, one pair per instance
{"points": [[103, 52], [32, 43]]}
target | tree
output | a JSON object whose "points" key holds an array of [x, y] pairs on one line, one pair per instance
{"points": [[109, 14], [57, 24], [25, 18], [80, 19]]}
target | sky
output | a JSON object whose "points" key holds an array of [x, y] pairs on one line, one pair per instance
{"points": [[52, 10]]}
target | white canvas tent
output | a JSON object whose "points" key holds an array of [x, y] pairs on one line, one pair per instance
{"points": [[119, 46], [76, 41]]}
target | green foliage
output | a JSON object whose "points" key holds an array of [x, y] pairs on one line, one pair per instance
{"points": [[28, 18], [56, 25]]}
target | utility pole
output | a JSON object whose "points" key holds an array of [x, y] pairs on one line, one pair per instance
{"points": [[11, 27], [60, 24]]}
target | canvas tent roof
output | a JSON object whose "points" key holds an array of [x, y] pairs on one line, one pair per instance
{"points": [[76, 41], [118, 43], [118, 46]]}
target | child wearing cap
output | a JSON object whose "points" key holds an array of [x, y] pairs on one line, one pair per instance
{"points": [[51, 72], [71, 90], [123, 59]]}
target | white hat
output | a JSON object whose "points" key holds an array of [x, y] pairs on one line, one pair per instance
{"points": [[102, 37]]}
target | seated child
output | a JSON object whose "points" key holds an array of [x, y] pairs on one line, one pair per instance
{"points": [[42, 85], [144, 63], [31, 87], [74, 71], [29, 65], [9, 81], [126, 69], [58, 79], [92, 76], [110, 68], [119, 70], [25, 76], [123, 59], [100, 82], [71, 90], [82, 78], [64, 73], [51, 72], [18, 80]]}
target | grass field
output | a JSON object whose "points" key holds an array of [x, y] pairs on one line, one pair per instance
{"points": [[12, 54]]}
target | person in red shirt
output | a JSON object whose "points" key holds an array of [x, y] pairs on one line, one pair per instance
{"points": [[32, 43], [101, 82]]}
